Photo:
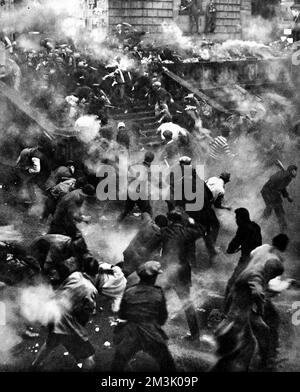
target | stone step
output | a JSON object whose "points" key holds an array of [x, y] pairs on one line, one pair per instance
{"points": [[150, 132], [133, 115], [148, 139]]}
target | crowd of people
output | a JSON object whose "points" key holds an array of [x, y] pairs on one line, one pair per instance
{"points": [[165, 245]]}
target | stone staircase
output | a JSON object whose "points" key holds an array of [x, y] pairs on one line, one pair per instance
{"points": [[140, 117]]}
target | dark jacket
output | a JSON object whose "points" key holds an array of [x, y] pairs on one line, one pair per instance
{"points": [[68, 214], [50, 249], [123, 138], [144, 308], [248, 237], [60, 174], [143, 245], [275, 188], [144, 303], [250, 288], [177, 240]]}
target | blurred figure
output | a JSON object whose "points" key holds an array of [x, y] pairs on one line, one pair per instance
{"points": [[245, 324], [68, 212], [143, 202], [77, 296], [53, 252], [145, 243], [122, 136], [273, 191], [177, 240]]}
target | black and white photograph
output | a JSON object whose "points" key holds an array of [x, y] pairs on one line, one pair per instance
{"points": [[149, 211]]}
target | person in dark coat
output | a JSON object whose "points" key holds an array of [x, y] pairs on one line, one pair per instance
{"points": [[178, 239], [143, 307], [68, 212], [61, 181], [53, 252], [211, 17], [142, 203], [144, 244], [123, 137], [61, 174], [247, 238], [245, 324], [273, 191]]}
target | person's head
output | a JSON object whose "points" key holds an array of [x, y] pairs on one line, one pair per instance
{"points": [[71, 166], [156, 85], [149, 271], [161, 221], [242, 216], [175, 216], [292, 169], [79, 246], [90, 266], [188, 97], [281, 242], [185, 161], [225, 177], [121, 126], [273, 268], [88, 190], [80, 182], [149, 158], [225, 132], [168, 135]]}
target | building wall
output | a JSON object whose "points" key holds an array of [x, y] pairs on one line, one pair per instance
{"points": [[150, 15], [143, 14], [7, 5]]}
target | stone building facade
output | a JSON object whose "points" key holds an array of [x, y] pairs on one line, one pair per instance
{"points": [[150, 15]]}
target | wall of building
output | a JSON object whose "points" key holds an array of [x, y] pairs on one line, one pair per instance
{"points": [[143, 14], [150, 15]]}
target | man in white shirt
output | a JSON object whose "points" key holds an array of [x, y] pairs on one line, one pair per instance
{"points": [[216, 185], [175, 129]]}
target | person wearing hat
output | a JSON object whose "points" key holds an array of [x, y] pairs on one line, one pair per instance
{"points": [[68, 212], [274, 190], [60, 174], [60, 182], [216, 185], [247, 238], [143, 309], [176, 182], [178, 242], [122, 136], [160, 94]]}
